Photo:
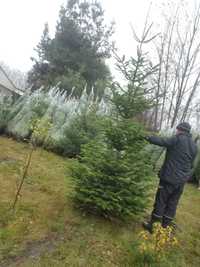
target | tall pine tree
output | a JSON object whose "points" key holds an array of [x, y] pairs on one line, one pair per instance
{"points": [[77, 53]]}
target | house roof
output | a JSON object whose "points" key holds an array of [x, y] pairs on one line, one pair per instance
{"points": [[7, 83]]}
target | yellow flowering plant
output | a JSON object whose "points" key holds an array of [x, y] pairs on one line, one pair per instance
{"points": [[158, 244]]}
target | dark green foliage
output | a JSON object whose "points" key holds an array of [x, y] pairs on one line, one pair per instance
{"points": [[113, 176], [5, 110], [80, 46], [138, 96], [127, 105], [196, 171], [122, 135], [81, 130], [71, 81], [40, 73]]}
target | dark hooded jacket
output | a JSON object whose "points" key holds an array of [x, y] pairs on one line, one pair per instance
{"points": [[180, 155]]}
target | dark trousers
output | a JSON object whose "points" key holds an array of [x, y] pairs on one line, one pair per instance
{"points": [[166, 202]]}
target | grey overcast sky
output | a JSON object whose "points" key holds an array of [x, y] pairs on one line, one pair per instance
{"points": [[22, 23]]}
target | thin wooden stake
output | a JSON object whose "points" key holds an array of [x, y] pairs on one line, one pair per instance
{"points": [[23, 177]]}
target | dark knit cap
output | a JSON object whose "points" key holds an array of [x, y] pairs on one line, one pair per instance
{"points": [[184, 126]]}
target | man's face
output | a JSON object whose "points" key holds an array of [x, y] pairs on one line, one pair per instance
{"points": [[178, 131]]}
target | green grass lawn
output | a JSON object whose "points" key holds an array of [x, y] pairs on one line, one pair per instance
{"points": [[46, 230]]}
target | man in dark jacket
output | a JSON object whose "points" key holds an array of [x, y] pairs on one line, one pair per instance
{"points": [[175, 171]]}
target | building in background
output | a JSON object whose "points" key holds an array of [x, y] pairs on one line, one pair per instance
{"points": [[7, 87]]}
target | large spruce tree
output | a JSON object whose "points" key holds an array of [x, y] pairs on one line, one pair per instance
{"points": [[113, 175]]}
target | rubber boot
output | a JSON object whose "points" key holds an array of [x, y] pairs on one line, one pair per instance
{"points": [[149, 224]]}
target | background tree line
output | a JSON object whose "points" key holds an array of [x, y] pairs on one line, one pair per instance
{"points": [[75, 59]]}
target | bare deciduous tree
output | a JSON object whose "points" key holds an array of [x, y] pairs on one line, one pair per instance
{"points": [[179, 72]]}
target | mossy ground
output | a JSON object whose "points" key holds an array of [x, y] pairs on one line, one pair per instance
{"points": [[46, 230]]}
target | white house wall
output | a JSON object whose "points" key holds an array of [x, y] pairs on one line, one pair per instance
{"points": [[4, 92]]}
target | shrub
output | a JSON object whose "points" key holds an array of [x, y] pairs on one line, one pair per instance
{"points": [[81, 130], [113, 175], [24, 112], [196, 171], [65, 135], [5, 108], [40, 131]]}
